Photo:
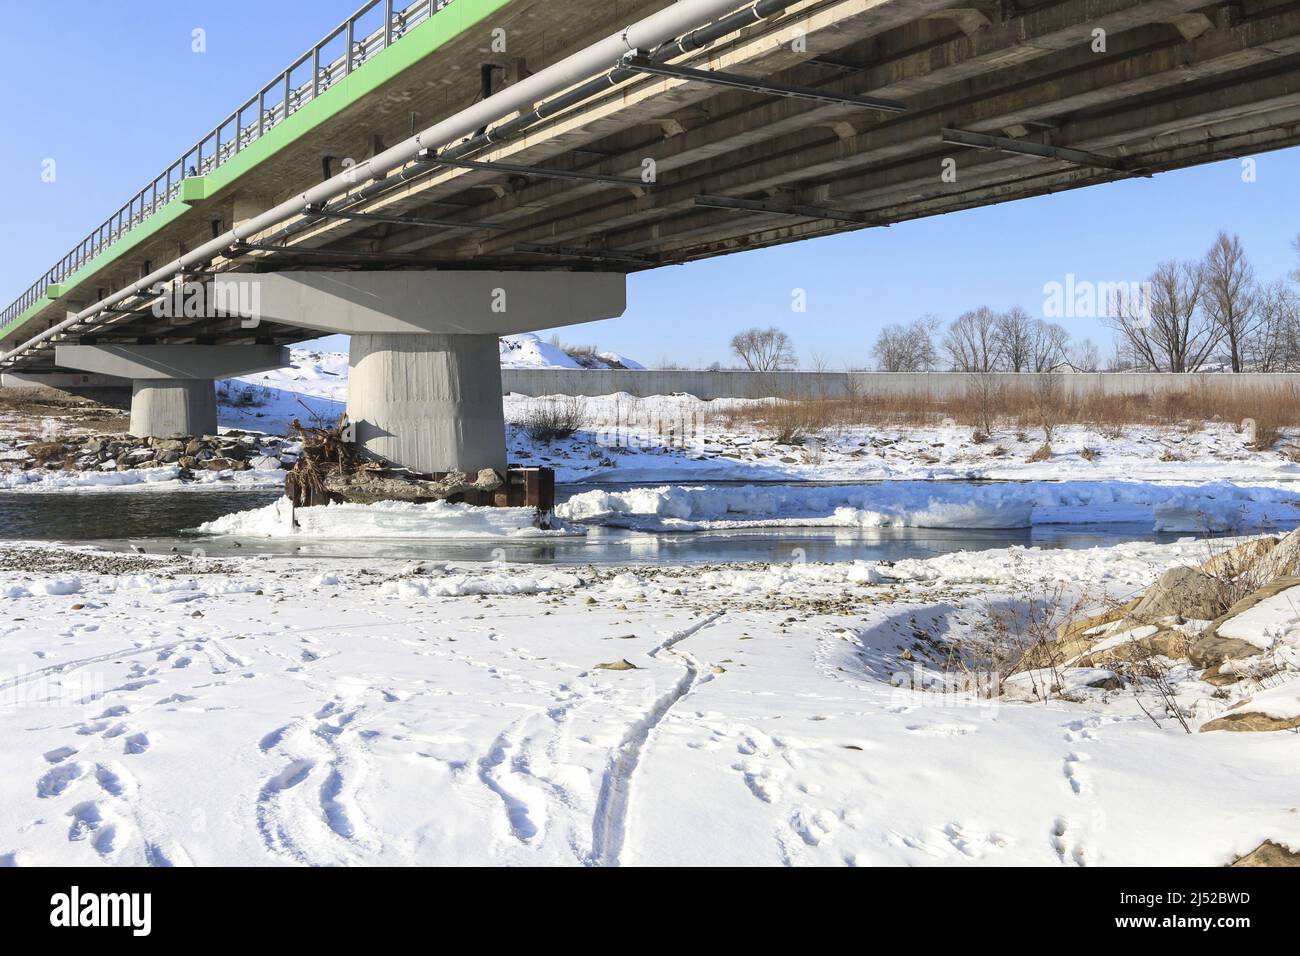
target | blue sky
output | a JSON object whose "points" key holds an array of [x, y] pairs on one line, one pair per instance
{"points": [[114, 94]]}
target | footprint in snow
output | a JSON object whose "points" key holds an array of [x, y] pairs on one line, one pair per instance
{"points": [[55, 781]]}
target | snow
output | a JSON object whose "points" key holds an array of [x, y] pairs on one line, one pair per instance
{"points": [[681, 438], [1273, 620], [381, 712], [1281, 702], [384, 519], [1217, 506], [144, 479]]}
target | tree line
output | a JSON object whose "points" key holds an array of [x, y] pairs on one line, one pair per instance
{"points": [[1192, 316]]}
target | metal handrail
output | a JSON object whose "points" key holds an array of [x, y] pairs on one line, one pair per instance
{"points": [[292, 95]]}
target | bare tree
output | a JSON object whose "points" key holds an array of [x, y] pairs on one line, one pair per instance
{"points": [[1172, 332], [972, 341], [1229, 295], [1275, 346], [1017, 338], [764, 350], [907, 348], [1084, 356], [1051, 346]]}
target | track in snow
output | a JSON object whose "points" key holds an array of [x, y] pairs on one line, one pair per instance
{"points": [[610, 821]]}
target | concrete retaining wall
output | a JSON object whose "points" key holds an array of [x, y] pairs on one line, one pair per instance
{"points": [[932, 385]]}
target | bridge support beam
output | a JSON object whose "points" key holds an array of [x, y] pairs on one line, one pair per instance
{"points": [[424, 386], [173, 387]]}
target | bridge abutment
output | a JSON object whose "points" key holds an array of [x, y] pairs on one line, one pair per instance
{"points": [[173, 387]]}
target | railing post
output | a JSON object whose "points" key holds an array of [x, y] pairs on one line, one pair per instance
{"points": [[315, 72], [347, 59], [388, 23], [284, 113]]}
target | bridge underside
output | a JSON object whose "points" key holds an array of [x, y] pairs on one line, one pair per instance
{"points": [[1059, 95]]}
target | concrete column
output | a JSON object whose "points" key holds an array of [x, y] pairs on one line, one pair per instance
{"points": [[430, 402], [173, 387], [182, 406]]}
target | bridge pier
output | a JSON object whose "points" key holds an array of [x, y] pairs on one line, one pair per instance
{"points": [[173, 387], [430, 402], [424, 385]]}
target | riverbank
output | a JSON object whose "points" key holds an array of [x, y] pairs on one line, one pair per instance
{"points": [[758, 714]]}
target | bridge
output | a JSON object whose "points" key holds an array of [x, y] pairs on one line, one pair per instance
{"points": [[434, 174]]}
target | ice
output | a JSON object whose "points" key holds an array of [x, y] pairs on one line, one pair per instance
{"points": [[923, 504], [385, 519]]}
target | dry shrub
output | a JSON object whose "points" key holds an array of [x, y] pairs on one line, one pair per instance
{"points": [[1089, 454], [548, 420]]}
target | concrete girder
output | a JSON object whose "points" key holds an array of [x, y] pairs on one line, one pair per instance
{"points": [[1217, 52], [1015, 41], [634, 104], [910, 191]]}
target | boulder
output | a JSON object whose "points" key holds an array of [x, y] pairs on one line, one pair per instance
{"points": [[1269, 853], [1181, 592], [1249, 721], [1242, 558], [1165, 642], [1284, 559], [1210, 649]]}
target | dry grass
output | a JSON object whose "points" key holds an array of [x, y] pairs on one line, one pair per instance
{"points": [[1034, 408]]}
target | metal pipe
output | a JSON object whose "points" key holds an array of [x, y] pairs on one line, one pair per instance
{"points": [[648, 33], [695, 40]]}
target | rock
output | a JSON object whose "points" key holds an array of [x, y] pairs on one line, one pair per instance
{"points": [[1269, 853], [1072, 639], [193, 447], [1210, 649], [42, 451], [1250, 721], [619, 665], [1181, 592], [169, 444], [236, 452], [220, 464], [1284, 559]]}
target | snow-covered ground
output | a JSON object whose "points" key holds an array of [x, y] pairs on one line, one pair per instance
{"points": [[678, 437], [175, 711]]}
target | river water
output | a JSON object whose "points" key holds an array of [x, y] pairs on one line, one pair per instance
{"points": [[162, 521]]}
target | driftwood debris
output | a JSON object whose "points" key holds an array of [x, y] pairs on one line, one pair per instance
{"points": [[329, 471]]}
